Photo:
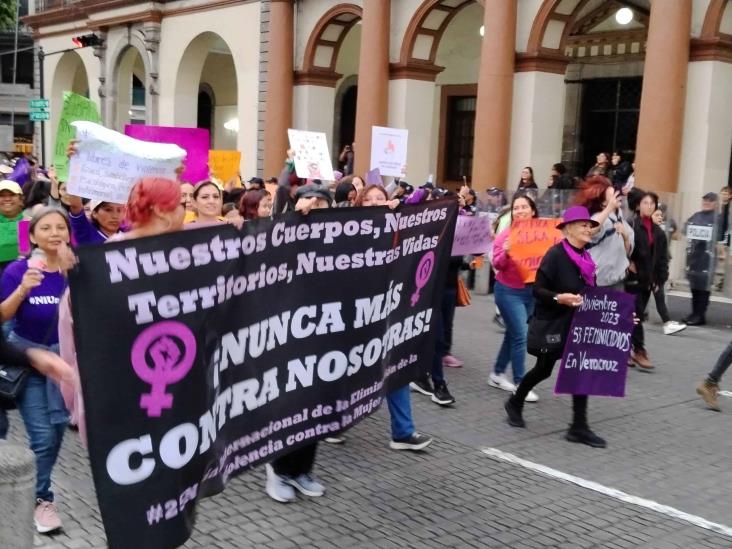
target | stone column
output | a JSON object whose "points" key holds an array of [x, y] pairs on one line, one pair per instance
{"points": [[372, 108], [278, 109], [660, 127], [495, 95]]}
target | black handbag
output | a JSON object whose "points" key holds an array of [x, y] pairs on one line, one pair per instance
{"points": [[12, 381], [547, 335]]}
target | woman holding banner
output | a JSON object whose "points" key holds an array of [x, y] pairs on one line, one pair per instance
{"points": [[29, 292], [255, 205], [565, 271], [515, 302], [153, 208]]}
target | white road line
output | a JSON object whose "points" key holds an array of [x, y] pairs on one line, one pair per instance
{"points": [[500, 455], [725, 393]]}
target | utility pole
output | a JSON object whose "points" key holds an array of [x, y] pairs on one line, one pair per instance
{"points": [[41, 57], [15, 68]]}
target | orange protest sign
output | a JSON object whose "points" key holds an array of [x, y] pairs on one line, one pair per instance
{"points": [[224, 164], [528, 243]]}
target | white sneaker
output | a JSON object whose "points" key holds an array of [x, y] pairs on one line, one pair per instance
{"points": [[500, 381], [671, 327], [532, 397], [278, 487]]}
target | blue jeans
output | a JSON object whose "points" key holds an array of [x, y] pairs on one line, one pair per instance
{"points": [[400, 411], [7, 327], [45, 419], [516, 306]]}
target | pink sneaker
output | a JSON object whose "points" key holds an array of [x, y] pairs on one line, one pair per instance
{"points": [[450, 361], [46, 517]]}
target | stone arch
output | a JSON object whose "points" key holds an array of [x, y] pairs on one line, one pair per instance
{"points": [[321, 51], [123, 53], [558, 23], [197, 71], [70, 74], [713, 19], [425, 30], [715, 40]]}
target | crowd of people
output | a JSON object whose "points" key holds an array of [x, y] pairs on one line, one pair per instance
{"points": [[615, 236]]}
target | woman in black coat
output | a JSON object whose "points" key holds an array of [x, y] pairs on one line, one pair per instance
{"points": [[648, 269], [563, 274]]}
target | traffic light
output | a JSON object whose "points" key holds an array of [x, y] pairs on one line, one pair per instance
{"points": [[86, 40]]}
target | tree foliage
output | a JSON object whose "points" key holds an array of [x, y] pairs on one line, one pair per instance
{"points": [[7, 15]]}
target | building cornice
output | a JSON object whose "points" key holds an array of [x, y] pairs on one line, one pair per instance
{"points": [[79, 12], [426, 72], [317, 77], [541, 62], [711, 49]]}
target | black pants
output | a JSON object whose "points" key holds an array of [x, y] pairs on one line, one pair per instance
{"points": [[541, 371], [699, 303], [641, 302], [660, 297], [297, 462], [449, 302]]}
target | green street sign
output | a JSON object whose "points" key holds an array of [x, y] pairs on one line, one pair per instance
{"points": [[38, 116], [39, 104]]}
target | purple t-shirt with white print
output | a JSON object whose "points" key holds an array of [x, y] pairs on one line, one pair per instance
{"points": [[37, 317]]}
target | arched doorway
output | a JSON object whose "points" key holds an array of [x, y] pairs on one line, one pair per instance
{"points": [[443, 43], [206, 90], [130, 95], [606, 54], [347, 114], [69, 75]]}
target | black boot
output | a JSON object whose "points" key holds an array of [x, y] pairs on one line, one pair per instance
{"points": [[514, 410], [583, 435]]}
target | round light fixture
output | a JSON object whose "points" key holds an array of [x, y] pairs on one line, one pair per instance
{"points": [[482, 30], [624, 16]]}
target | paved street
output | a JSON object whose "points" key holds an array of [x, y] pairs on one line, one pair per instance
{"points": [[663, 446]]}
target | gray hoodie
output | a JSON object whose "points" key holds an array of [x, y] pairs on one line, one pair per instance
{"points": [[608, 251]]}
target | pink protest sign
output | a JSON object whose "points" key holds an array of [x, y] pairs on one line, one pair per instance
{"points": [[24, 245], [473, 235], [195, 141]]}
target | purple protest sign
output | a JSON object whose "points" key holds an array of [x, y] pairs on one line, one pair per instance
{"points": [[473, 235], [373, 177], [195, 141], [595, 360]]}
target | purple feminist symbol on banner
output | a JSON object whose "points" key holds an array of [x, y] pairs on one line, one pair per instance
{"points": [[169, 366], [424, 270]]}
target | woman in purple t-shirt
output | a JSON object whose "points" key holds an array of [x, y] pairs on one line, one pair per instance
{"points": [[30, 290]]}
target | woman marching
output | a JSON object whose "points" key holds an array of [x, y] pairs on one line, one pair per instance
{"points": [[565, 271], [30, 292], [648, 269], [514, 300]]}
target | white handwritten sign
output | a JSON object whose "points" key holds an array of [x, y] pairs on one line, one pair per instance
{"points": [[389, 151], [699, 232], [473, 235], [107, 164], [312, 159]]}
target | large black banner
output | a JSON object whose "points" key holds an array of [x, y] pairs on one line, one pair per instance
{"points": [[207, 351]]}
